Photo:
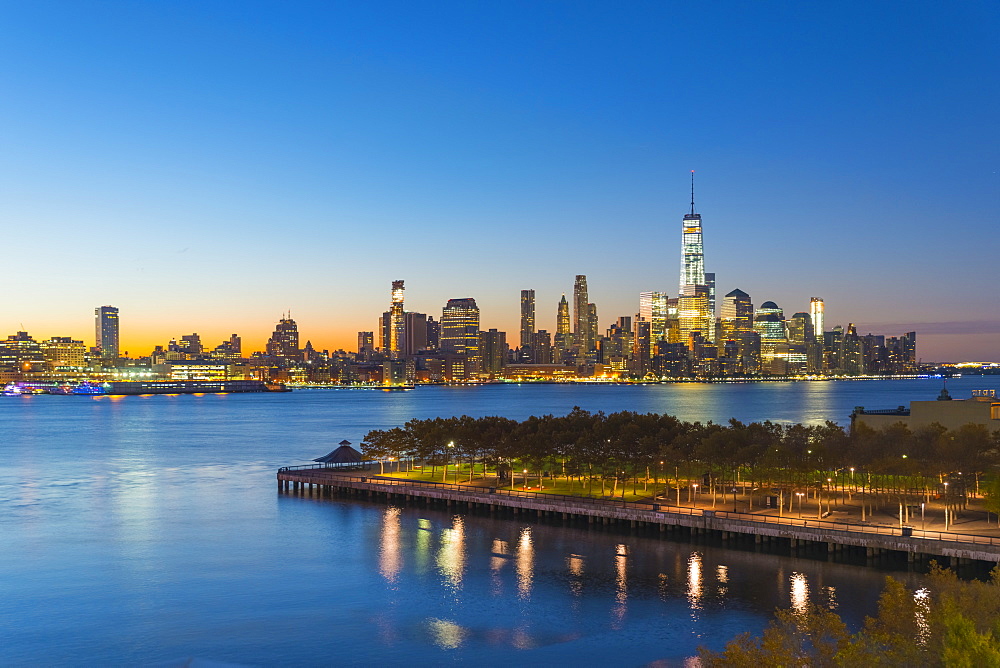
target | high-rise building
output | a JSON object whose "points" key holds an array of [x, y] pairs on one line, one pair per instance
{"points": [[653, 309], [736, 315], [433, 333], [562, 318], [460, 327], [366, 343], [63, 353], [800, 328], [710, 283], [541, 347], [693, 316], [106, 326], [527, 317], [695, 308], [493, 350], [414, 333], [284, 342], [692, 248], [817, 312], [581, 315], [769, 322], [396, 325]]}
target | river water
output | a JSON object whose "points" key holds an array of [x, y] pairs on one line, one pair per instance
{"points": [[142, 530]]}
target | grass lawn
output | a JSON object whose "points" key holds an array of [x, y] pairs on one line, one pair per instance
{"points": [[547, 485]]}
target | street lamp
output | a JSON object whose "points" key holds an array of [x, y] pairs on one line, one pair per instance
{"points": [[694, 486], [799, 494], [525, 472]]}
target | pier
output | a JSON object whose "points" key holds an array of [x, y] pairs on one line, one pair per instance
{"points": [[830, 537]]}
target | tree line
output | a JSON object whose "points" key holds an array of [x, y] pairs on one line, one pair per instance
{"points": [[608, 450]]}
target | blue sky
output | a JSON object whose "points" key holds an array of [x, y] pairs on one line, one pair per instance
{"points": [[206, 166]]}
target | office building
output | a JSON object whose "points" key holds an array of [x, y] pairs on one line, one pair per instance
{"points": [[493, 351], [284, 342], [395, 343], [817, 312], [736, 316], [460, 327], [653, 309], [527, 317], [414, 333], [106, 326], [583, 338]]}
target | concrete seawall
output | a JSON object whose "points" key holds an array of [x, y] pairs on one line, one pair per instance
{"points": [[872, 541]]}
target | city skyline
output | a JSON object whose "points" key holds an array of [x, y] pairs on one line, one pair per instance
{"points": [[203, 172]]}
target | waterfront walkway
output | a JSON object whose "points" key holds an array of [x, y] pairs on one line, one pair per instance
{"points": [[841, 530]]}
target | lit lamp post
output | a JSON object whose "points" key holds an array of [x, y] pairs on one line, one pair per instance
{"points": [[694, 487], [799, 494], [525, 472], [946, 506], [923, 523]]}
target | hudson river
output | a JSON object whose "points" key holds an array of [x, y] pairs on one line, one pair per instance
{"points": [[141, 530]]}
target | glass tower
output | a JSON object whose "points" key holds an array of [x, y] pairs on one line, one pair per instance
{"points": [[527, 317], [460, 327], [106, 326], [817, 311], [396, 322]]}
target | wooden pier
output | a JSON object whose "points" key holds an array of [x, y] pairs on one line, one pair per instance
{"points": [[915, 545]]}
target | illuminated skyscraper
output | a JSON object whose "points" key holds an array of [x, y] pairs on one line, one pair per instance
{"points": [[817, 312], [396, 324], [527, 317], [581, 314], [736, 314], [562, 318], [284, 342], [695, 307], [106, 326], [692, 248], [653, 309], [460, 327]]}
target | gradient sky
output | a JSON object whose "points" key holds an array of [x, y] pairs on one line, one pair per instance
{"points": [[206, 166]]}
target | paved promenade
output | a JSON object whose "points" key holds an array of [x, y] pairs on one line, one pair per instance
{"points": [[969, 538]]}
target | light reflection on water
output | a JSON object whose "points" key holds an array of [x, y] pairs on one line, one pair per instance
{"points": [[140, 530], [524, 563]]}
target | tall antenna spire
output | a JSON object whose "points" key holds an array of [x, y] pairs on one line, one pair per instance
{"points": [[692, 192]]}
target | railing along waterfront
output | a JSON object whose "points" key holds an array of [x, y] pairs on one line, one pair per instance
{"points": [[568, 500]]}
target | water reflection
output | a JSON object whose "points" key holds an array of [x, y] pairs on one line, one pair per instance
{"points": [[524, 562], [574, 563], [390, 559], [831, 598], [695, 589], [498, 559], [621, 585], [722, 575], [446, 634], [799, 592], [451, 556], [423, 547]]}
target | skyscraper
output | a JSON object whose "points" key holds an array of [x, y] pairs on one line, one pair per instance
{"points": [[284, 342], [692, 248], [653, 309], [460, 327], [527, 317], [817, 311], [695, 308], [581, 314], [396, 324], [106, 326], [736, 314], [562, 317]]}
